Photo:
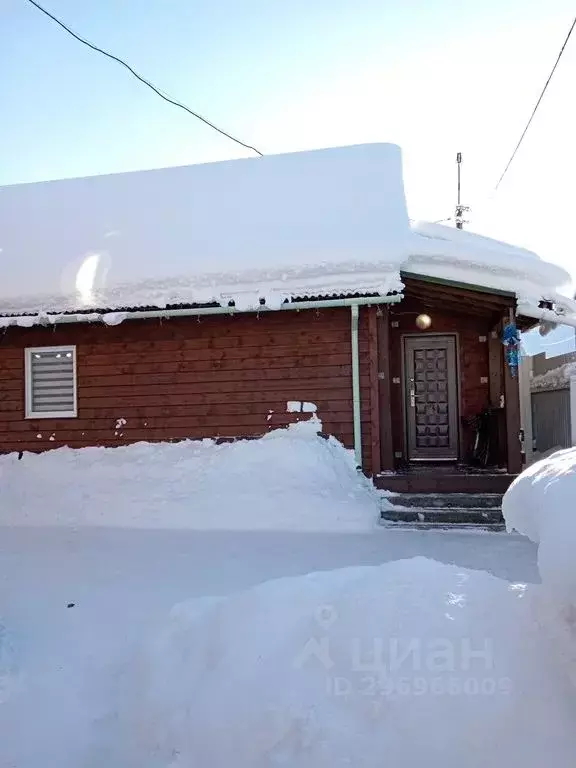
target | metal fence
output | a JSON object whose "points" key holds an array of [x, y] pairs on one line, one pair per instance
{"points": [[551, 426]]}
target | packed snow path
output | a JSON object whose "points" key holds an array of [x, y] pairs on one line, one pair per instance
{"points": [[123, 583]]}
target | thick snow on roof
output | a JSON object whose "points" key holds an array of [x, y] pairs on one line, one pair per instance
{"points": [[453, 254], [555, 378], [319, 223]]}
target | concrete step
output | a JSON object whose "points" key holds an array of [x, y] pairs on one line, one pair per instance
{"points": [[490, 527], [445, 500], [443, 516], [443, 509]]}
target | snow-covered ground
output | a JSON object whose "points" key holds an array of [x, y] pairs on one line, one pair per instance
{"points": [[123, 584], [111, 653]]}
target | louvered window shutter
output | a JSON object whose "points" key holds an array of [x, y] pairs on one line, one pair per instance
{"points": [[51, 382]]}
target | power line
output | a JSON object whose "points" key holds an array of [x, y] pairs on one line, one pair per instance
{"points": [[142, 79], [550, 76]]}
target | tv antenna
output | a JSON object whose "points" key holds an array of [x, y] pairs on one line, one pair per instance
{"points": [[460, 209]]}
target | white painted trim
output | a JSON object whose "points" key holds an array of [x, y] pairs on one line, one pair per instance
{"points": [[29, 414], [573, 409]]}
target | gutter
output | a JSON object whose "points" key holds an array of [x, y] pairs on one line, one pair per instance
{"points": [[119, 316]]}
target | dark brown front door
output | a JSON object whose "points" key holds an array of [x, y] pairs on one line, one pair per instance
{"points": [[431, 397]]}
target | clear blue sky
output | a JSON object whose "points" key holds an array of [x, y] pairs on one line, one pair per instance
{"points": [[435, 77]]}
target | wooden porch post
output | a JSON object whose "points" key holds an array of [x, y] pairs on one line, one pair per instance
{"points": [[495, 366], [386, 442], [497, 399], [512, 406]]}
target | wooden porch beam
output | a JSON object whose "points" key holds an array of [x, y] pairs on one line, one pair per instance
{"points": [[496, 390], [495, 366], [480, 303], [407, 277]]}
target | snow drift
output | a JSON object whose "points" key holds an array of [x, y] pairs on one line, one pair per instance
{"points": [[414, 663], [289, 479], [540, 504]]}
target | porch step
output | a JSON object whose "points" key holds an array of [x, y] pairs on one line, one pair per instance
{"points": [[446, 509], [448, 527], [444, 482], [447, 500]]}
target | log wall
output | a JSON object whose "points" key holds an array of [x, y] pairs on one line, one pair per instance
{"points": [[222, 377]]}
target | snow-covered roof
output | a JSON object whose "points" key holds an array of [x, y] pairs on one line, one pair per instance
{"points": [[282, 226], [319, 223], [555, 378], [465, 257]]}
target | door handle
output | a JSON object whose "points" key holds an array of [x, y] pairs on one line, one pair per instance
{"points": [[412, 398]]}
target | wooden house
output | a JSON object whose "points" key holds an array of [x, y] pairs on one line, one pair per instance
{"points": [[225, 300]]}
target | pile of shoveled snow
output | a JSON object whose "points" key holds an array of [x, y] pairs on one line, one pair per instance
{"points": [[290, 479], [541, 504], [411, 663]]}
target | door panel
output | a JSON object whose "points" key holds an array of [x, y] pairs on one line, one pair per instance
{"points": [[431, 387]]}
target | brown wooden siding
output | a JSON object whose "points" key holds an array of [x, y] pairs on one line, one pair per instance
{"points": [[223, 377], [473, 363]]}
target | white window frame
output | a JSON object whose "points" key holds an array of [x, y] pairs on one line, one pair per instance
{"points": [[29, 413]]}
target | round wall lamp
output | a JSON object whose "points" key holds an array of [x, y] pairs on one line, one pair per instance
{"points": [[423, 322]]}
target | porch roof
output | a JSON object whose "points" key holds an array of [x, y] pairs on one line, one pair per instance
{"points": [[433, 293], [543, 290]]}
